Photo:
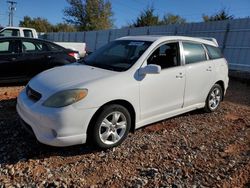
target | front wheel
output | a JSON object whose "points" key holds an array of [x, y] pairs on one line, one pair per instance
{"points": [[111, 127], [214, 98]]}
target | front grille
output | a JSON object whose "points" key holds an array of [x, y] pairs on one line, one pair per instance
{"points": [[32, 94]]}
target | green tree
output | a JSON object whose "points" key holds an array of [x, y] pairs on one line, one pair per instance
{"points": [[63, 27], [221, 15], [146, 18], [40, 24], [43, 25], [172, 19], [89, 14]]}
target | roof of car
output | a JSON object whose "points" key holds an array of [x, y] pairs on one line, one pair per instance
{"points": [[27, 38], [162, 38], [11, 27], [31, 39]]}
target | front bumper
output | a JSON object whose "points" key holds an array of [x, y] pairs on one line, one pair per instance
{"points": [[55, 126]]}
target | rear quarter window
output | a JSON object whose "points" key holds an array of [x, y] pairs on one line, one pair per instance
{"points": [[214, 52], [193, 52]]}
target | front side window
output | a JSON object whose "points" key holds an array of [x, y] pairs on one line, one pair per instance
{"points": [[193, 52], [166, 56], [5, 47], [10, 33], [214, 52], [118, 55]]}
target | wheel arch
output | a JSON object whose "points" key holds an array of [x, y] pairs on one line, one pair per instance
{"points": [[222, 85], [121, 102]]}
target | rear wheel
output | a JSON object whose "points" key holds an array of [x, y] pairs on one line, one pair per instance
{"points": [[214, 98], [111, 127]]}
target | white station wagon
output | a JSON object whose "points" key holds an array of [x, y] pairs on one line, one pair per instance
{"points": [[129, 83]]}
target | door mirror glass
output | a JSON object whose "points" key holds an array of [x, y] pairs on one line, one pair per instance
{"points": [[150, 69]]}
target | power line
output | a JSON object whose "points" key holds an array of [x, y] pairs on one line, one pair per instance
{"points": [[12, 8]]}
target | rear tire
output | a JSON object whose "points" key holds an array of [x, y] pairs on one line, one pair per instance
{"points": [[214, 98], [111, 127]]}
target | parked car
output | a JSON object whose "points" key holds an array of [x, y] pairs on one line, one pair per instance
{"points": [[18, 32], [80, 47], [129, 83], [23, 58]]}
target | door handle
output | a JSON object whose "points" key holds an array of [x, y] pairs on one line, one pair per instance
{"points": [[209, 69], [48, 56], [13, 59], [180, 75]]}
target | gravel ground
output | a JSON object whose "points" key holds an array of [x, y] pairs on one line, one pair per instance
{"points": [[192, 150]]}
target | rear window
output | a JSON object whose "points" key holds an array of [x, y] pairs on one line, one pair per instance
{"points": [[54, 48], [214, 52], [194, 52], [27, 33]]}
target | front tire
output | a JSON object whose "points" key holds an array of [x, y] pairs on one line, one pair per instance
{"points": [[214, 98], [111, 127]]}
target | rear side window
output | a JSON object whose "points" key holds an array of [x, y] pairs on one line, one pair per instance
{"points": [[193, 52], [28, 33], [214, 52], [30, 47]]}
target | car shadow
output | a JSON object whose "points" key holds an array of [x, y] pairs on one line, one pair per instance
{"points": [[16, 144], [238, 92], [12, 84]]}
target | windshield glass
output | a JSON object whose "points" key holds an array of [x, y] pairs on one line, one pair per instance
{"points": [[118, 55]]}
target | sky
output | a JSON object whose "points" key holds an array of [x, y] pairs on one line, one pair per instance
{"points": [[125, 11]]}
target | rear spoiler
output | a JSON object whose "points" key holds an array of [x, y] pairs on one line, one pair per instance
{"points": [[211, 39]]}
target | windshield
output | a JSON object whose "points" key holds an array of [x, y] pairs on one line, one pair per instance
{"points": [[118, 55]]}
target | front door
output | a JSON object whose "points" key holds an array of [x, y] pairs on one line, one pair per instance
{"points": [[9, 59], [162, 93]]}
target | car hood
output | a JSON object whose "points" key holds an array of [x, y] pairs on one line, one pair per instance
{"points": [[67, 77]]}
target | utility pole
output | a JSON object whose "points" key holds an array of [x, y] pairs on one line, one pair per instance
{"points": [[12, 8]]}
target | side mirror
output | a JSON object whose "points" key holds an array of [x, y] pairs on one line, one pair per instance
{"points": [[150, 69]]}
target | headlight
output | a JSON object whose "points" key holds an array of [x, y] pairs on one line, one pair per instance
{"points": [[65, 98]]}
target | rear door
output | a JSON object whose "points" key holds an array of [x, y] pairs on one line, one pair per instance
{"points": [[199, 73], [34, 56]]}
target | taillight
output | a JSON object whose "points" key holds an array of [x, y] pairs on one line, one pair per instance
{"points": [[75, 55]]}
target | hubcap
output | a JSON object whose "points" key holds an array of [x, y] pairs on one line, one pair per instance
{"points": [[113, 128], [214, 98]]}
